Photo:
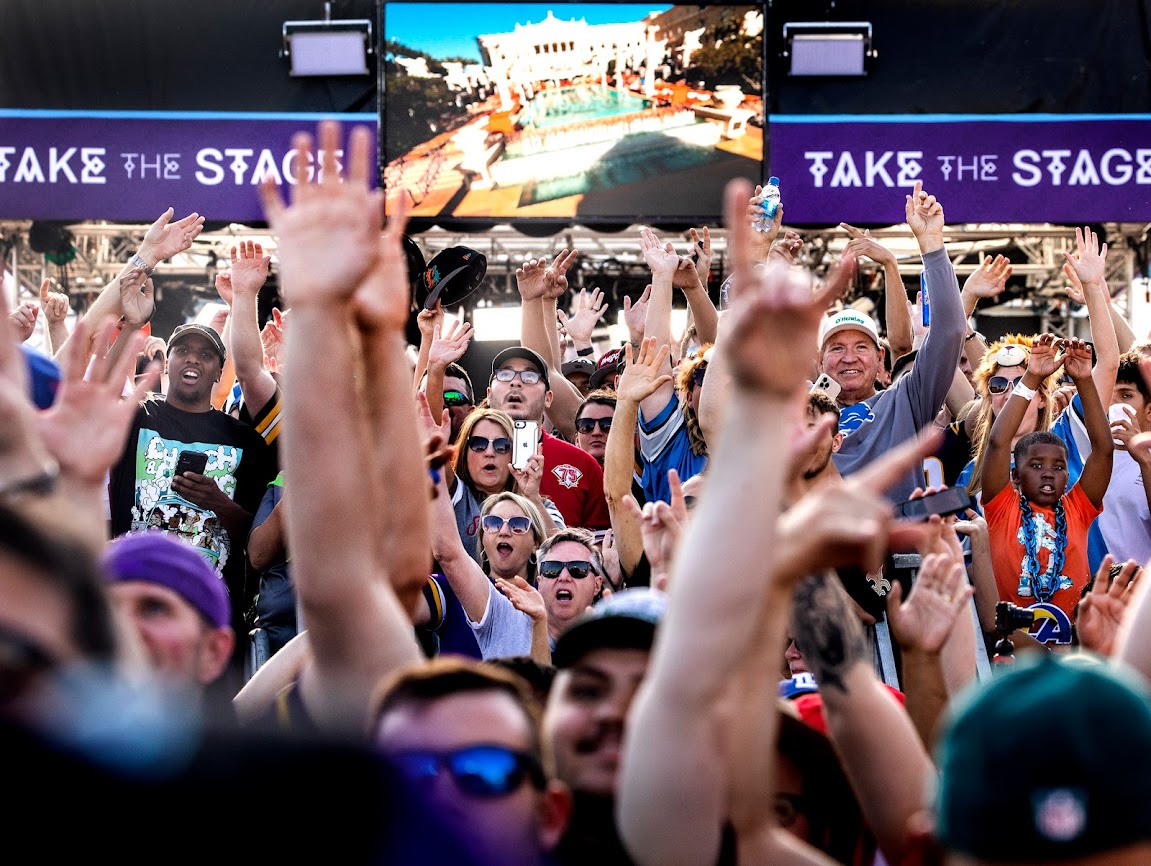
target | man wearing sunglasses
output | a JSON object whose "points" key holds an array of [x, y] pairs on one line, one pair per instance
{"points": [[572, 479], [458, 399], [467, 737], [570, 577]]}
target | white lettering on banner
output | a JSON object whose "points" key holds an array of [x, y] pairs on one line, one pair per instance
{"points": [[4, 163], [57, 164], [981, 168], [987, 166], [875, 169], [129, 163], [266, 167], [1125, 170], [1083, 174], [209, 158], [945, 166], [93, 159], [172, 166], [909, 167], [1143, 157], [1025, 160], [845, 172], [239, 164], [1055, 164], [29, 171], [818, 169]]}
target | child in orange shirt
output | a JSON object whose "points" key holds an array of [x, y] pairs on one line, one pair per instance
{"points": [[1037, 528]]}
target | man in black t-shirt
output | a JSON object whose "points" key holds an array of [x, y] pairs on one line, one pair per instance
{"points": [[211, 509]]}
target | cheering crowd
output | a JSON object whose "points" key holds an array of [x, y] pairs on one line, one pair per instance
{"points": [[792, 589]]}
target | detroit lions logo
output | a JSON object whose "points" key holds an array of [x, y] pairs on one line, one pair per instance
{"points": [[851, 418], [567, 475]]}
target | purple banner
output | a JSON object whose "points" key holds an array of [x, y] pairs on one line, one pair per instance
{"points": [[984, 168], [132, 166]]}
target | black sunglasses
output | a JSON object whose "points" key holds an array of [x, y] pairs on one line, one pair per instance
{"points": [[586, 425], [577, 568], [478, 771], [456, 398], [999, 384], [479, 444], [493, 523]]}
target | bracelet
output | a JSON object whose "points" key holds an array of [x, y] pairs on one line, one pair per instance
{"points": [[138, 262], [1023, 391], [585, 352], [41, 484], [973, 335]]}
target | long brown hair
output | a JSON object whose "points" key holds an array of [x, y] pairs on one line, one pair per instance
{"points": [[984, 417]]}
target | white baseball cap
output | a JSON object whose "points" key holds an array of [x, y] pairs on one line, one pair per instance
{"points": [[848, 320]]}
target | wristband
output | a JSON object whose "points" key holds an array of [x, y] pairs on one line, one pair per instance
{"points": [[138, 262], [1023, 391], [973, 335], [585, 352]]}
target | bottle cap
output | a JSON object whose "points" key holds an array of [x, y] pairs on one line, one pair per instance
{"points": [[773, 181]]}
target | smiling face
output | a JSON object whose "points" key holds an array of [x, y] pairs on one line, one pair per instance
{"points": [[853, 360], [507, 552], [522, 402], [194, 367], [587, 713], [1041, 474], [489, 470], [566, 598]]}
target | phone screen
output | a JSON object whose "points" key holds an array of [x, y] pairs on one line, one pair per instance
{"points": [[191, 461], [953, 500]]}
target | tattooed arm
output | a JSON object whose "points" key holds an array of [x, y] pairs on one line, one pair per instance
{"points": [[876, 741]]}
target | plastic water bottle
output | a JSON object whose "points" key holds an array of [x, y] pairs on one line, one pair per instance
{"points": [[768, 201]]}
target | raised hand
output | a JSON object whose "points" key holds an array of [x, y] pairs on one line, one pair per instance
{"points": [[1042, 360], [863, 244], [1101, 610], [536, 279], [137, 297], [329, 234], [989, 279], [249, 269], [86, 426], [692, 273], [54, 304], [660, 258], [528, 479], [635, 315], [449, 347], [22, 321], [165, 239], [609, 554], [219, 320], [1076, 358], [428, 320], [587, 310], [662, 525], [642, 376], [432, 429], [940, 592], [1089, 261], [760, 243], [523, 596], [272, 337], [925, 219], [383, 300], [22, 452]]}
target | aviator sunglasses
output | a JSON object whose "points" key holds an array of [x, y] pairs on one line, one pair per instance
{"points": [[577, 568], [478, 771], [493, 523]]}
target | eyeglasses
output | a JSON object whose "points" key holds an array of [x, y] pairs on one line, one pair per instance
{"points": [[479, 444], [586, 425], [577, 568], [478, 771], [493, 523], [999, 384], [456, 398], [507, 374]]}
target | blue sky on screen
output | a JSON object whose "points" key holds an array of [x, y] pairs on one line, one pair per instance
{"points": [[450, 29]]}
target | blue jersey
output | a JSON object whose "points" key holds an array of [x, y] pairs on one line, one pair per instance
{"points": [[665, 444]]}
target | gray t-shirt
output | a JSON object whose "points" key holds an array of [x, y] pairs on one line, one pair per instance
{"points": [[503, 631]]}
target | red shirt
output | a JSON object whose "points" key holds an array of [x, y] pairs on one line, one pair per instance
{"points": [[573, 480]]}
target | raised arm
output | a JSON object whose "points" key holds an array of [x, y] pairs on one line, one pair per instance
{"points": [[663, 263], [672, 785], [1086, 268], [894, 295], [54, 306], [986, 281], [691, 278], [467, 579], [1096, 473], [446, 348], [328, 247], [248, 273]]}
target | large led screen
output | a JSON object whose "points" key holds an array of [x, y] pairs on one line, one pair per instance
{"points": [[579, 112]]}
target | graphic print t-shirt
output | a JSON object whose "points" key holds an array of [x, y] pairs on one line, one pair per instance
{"points": [[140, 488]]}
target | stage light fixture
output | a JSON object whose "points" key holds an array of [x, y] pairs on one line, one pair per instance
{"points": [[328, 47], [828, 48]]}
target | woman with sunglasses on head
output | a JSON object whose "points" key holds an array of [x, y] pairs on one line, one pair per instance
{"points": [[483, 467], [505, 612]]}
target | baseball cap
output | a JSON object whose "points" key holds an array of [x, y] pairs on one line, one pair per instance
{"points": [[578, 365], [185, 331], [157, 557], [1051, 761], [848, 320], [528, 355], [451, 276], [626, 620], [608, 363]]}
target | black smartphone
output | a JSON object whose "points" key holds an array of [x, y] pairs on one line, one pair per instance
{"points": [[191, 461], [953, 500]]}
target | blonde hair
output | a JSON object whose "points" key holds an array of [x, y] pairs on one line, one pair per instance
{"points": [[683, 384], [530, 511], [460, 460], [984, 417]]}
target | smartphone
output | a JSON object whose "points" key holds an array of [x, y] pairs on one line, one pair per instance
{"points": [[191, 461], [826, 384], [524, 443], [953, 500]]}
